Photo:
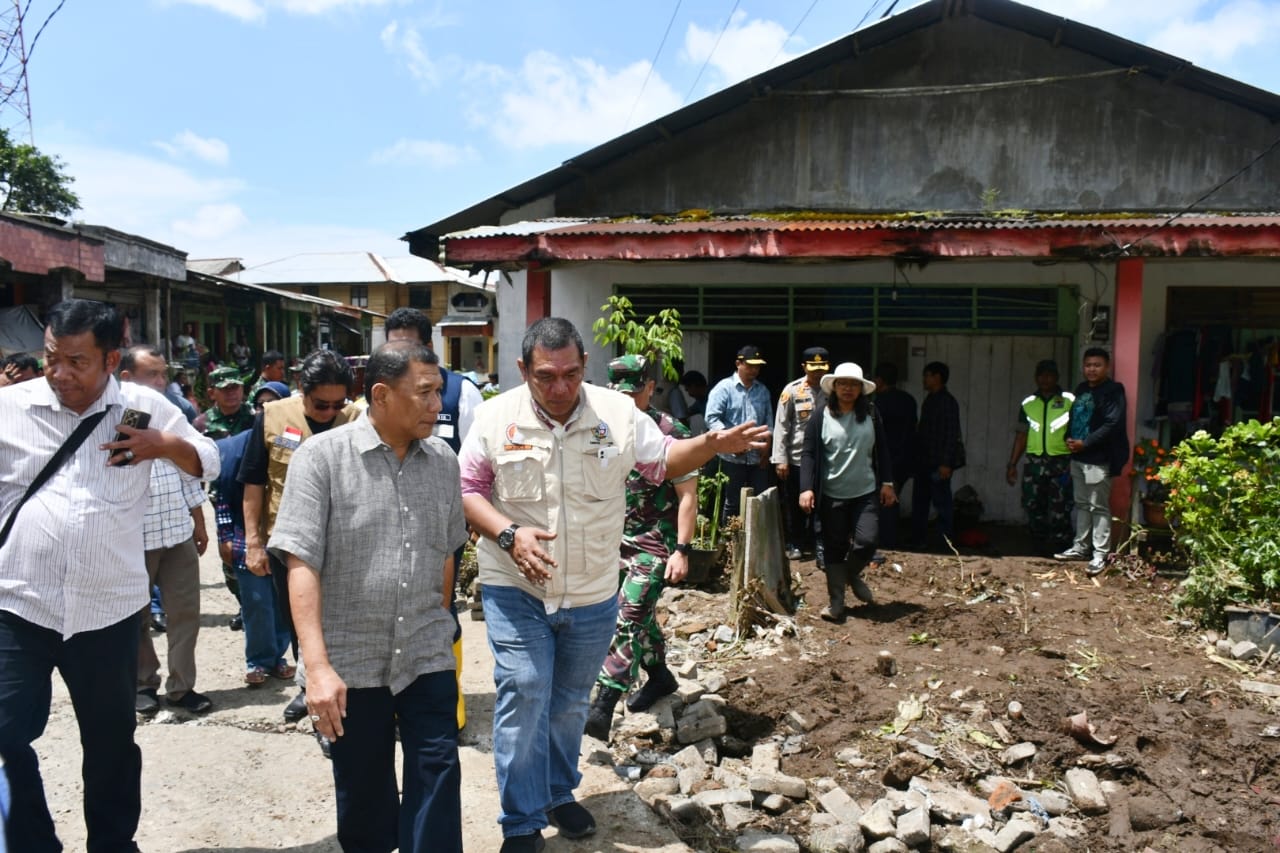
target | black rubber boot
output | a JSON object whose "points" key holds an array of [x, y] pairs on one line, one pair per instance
{"points": [[661, 683], [857, 565], [600, 717], [837, 579]]}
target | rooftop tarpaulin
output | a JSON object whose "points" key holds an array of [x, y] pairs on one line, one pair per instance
{"points": [[20, 331]]}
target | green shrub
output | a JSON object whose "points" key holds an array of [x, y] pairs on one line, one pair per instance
{"points": [[1224, 502]]}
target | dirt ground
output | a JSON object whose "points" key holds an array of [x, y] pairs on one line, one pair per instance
{"points": [[969, 635]]}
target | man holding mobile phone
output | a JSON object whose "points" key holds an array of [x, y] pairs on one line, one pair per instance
{"points": [[73, 578]]}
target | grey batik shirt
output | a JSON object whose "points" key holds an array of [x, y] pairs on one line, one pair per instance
{"points": [[378, 531]]}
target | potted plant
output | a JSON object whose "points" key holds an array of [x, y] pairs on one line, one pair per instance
{"points": [[707, 545], [1149, 457]]}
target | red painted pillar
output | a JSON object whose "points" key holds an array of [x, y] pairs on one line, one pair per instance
{"points": [[1125, 358], [537, 293]]}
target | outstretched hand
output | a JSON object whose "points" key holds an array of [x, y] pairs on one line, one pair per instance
{"points": [[741, 438]]}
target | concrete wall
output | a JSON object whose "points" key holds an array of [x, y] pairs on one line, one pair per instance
{"points": [[146, 259], [1101, 144]]}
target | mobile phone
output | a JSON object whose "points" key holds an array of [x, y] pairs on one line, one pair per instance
{"points": [[131, 418]]}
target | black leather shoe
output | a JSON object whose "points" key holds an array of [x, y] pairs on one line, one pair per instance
{"points": [[147, 704], [297, 709], [237, 622], [159, 622], [531, 843], [572, 819], [196, 703]]}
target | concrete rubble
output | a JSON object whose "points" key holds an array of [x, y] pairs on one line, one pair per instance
{"points": [[698, 774]]}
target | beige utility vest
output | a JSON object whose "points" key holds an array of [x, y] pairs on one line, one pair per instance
{"points": [[569, 480], [284, 428]]}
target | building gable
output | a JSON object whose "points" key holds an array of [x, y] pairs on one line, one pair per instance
{"points": [[963, 115]]}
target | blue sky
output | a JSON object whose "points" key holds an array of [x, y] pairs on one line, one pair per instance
{"points": [[264, 128]]}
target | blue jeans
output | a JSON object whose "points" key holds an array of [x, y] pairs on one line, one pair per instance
{"points": [[100, 669], [371, 818], [544, 665], [266, 635]]}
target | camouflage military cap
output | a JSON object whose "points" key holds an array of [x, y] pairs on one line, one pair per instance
{"points": [[224, 377], [628, 373]]}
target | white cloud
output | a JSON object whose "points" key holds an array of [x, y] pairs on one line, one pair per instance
{"points": [[551, 100], [405, 43], [208, 149], [245, 10], [424, 152], [319, 7], [212, 221], [256, 10], [1206, 32], [139, 194], [1218, 39], [745, 48], [168, 203]]}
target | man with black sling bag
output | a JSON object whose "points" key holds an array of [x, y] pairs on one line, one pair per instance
{"points": [[72, 574]]}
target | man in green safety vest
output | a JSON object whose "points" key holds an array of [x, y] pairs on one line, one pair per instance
{"points": [[1041, 433]]}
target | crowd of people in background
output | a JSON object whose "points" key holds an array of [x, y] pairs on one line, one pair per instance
{"points": [[340, 524]]}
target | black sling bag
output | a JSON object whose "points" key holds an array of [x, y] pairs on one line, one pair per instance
{"points": [[70, 446]]}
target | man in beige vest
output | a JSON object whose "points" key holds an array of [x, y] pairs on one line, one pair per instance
{"points": [[544, 473], [325, 381]]}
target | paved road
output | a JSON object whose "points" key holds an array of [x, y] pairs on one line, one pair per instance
{"points": [[239, 779]]}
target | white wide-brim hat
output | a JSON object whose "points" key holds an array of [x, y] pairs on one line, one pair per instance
{"points": [[847, 370]]}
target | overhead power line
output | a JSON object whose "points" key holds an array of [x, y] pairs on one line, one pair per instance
{"points": [[712, 53], [654, 64]]}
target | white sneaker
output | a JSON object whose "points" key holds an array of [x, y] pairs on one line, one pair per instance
{"points": [[1071, 554], [1097, 565]]}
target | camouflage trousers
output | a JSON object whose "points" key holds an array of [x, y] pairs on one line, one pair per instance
{"points": [[638, 641], [1046, 496]]}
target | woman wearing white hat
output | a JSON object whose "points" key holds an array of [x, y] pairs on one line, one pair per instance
{"points": [[846, 474]]}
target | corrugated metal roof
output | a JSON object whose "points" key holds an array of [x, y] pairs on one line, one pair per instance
{"points": [[318, 268], [214, 266], [641, 227]]}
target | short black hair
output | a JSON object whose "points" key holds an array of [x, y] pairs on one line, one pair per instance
{"points": [[77, 316], [271, 356], [692, 377], [1096, 352], [550, 333], [324, 367], [22, 361], [409, 318], [391, 361], [888, 372], [939, 368], [129, 361]]}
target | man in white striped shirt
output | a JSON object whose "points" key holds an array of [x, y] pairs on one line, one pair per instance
{"points": [[174, 536], [72, 574]]}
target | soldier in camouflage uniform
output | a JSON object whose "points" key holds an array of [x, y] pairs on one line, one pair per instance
{"points": [[229, 415], [1043, 420], [655, 545]]}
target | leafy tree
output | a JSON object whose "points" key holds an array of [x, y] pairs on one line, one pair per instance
{"points": [[658, 338], [32, 182]]}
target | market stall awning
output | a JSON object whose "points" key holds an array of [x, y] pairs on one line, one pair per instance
{"points": [[466, 325]]}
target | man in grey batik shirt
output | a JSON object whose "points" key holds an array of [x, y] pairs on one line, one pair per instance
{"points": [[368, 522]]}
